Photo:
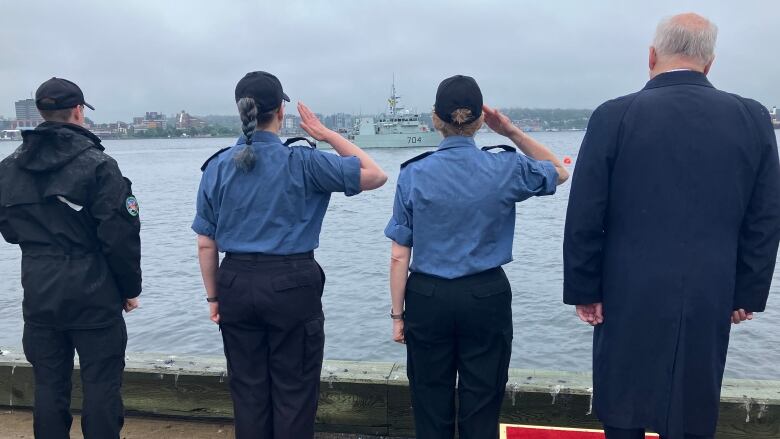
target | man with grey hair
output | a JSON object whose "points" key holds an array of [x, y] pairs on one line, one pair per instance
{"points": [[671, 235]]}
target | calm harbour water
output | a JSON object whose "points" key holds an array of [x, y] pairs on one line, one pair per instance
{"points": [[173, 317]]}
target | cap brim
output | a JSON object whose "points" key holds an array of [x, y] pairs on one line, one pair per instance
{"points": [[89, 106], [285, 97]]}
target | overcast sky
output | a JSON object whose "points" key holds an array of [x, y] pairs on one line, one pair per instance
{"points": [[135, 56]]}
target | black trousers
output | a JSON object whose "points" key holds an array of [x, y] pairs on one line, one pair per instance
{"points": [[638, 433], [101, 361], [459, 327], [272, 329]]}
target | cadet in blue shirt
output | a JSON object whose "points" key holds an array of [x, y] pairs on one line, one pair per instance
{"points": [[262, 203], [456, 208]]}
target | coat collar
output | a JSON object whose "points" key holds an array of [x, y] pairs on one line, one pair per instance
{"points": [[688, 77]]}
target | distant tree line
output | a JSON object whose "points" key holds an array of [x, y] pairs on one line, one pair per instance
{"points": [[552, 118], [230, 126]]}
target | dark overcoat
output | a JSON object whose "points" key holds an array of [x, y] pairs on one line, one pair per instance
{"points": [[673, 222]]}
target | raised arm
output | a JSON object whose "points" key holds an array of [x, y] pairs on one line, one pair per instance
{"points": [[528, 145], [371, 175]]}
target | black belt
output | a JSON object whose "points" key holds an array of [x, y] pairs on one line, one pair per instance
{"points": [[264, 257]]}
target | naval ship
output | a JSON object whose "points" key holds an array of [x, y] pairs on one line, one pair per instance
{"points": [[396, 128], [775, 118]]}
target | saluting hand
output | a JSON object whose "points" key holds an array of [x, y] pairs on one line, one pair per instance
{"points": [[398, 331], [498, 122], [311, 124], [740, 315], [591, 314]]}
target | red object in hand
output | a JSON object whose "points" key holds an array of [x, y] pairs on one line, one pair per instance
{"points": [[536, 432], [567, 160]]}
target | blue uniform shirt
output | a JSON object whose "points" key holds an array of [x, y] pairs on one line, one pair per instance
{"points": [[278, 206], [456, 207]]}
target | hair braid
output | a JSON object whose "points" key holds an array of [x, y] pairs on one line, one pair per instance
{"points": [[247, 110]]}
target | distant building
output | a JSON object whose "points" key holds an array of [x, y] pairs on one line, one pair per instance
{"points": [[5, 124], [152, 120], [10, 135], [110, 130], [343, 122], [27, 115], [529, 125], [291, 125], [184, 121]]}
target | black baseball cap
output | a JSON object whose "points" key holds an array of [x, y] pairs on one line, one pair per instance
{"points": [[59, 94], [458, 92], [264, 88]]}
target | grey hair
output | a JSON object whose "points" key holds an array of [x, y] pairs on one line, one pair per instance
{"points": [[247, 110], [697, 42]]}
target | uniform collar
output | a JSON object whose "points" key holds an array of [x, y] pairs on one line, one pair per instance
{"points": [[457, 142], [260, 137], [679, 77]]}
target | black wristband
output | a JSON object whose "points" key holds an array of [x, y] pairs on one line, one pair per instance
{"points": [[214, 299]]}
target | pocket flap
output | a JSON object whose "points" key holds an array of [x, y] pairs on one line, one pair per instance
{"points": [[314, 327], [225, 278], [420, 285], [491, 288], [283, 283]]}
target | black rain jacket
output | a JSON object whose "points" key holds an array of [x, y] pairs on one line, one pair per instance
{"points": [[66, 204]]}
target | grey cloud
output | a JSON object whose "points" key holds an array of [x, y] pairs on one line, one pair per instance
{"points": [[137, 56]]}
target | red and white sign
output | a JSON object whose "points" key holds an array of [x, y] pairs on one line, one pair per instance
{"points": [[509, 431]]}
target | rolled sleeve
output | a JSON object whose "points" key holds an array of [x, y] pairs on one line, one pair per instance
{"points": [[399, 228], [332, 173], [205, 222], [202, 226], [533, 178]]}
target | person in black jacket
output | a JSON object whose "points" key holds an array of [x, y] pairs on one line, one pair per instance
{"points": [[65, 203]]}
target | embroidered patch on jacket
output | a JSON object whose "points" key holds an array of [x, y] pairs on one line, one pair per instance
{"points": [[132, 206]]}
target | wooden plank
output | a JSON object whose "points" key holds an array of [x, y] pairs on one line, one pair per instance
{"points": [[399, 400]]}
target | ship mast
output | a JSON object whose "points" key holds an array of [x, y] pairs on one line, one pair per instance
{"points": [[393, 101]]}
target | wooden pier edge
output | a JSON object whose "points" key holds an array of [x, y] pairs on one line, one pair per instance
{"points": [[372, 398]]}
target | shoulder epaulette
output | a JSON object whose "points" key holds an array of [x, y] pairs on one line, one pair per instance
{"points": [[416, 158], [213, 156], [504, 147], [292, 140]]}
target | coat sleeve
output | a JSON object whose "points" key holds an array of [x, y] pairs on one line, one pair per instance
{"points": [[760, 231], [584, 233], [115, 211]]}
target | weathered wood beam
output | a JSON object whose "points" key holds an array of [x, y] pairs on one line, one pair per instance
{"points": [[373, 397]]}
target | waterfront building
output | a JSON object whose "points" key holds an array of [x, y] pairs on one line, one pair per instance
{"points": [[185, 121], [110, 130], [150, 121], [529, 125], [27, 115], [5, 124], [291, 125]]}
